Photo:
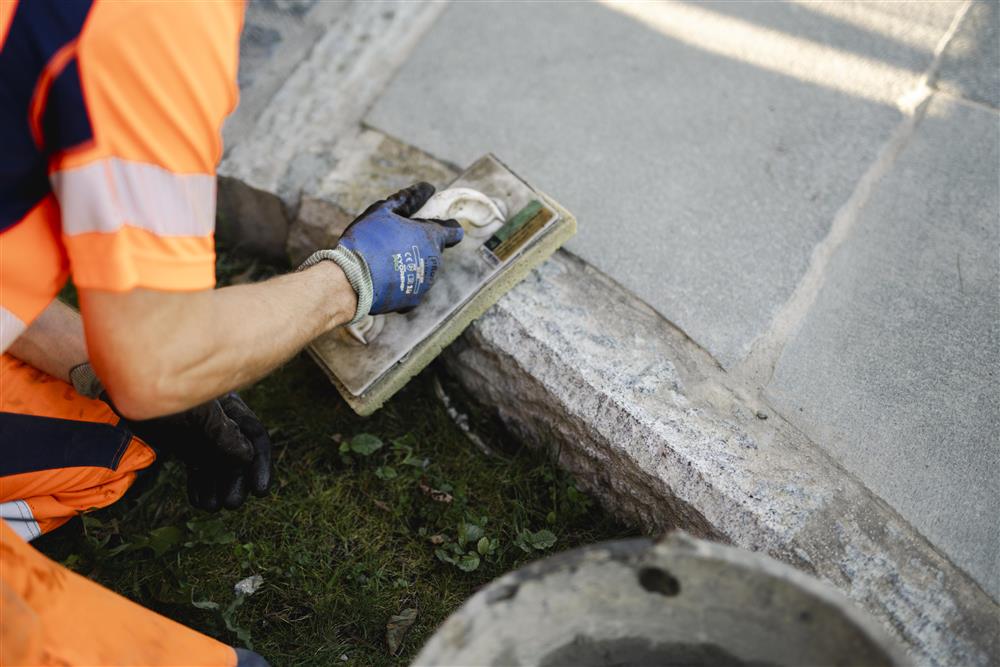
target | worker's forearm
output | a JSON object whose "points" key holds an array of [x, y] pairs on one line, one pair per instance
{"points": [[163, 352], [54, 342]]}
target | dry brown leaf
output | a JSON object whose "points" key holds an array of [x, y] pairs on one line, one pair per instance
{"points": [[435, 494], [396, 629]]}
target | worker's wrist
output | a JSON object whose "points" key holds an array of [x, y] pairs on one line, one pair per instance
{"points": [[351, 269]]}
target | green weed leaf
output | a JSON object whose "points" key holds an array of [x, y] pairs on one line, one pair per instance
{"points": [[444, 556], [483, 546], [209, 531], [204, 604], [366, 444], [468, 533], [385, 472], [229, 617], [468, 562], [528, 541], [124, 547], [160, 540], [405, 443], [543, 539], [415, 461]]}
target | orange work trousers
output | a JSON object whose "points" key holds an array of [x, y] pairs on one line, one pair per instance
{"points": [[64, 454]]}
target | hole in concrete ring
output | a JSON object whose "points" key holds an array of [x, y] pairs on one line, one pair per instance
{"points": [[658, 580]]}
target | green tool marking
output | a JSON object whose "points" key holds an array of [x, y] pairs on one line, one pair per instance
{"points": [[515, 223]]}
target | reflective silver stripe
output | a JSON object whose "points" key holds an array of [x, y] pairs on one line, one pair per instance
{"points": [[11, 327], [105, 195], [18, 516]]}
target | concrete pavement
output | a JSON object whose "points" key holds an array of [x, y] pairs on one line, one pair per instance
{"points": [[705, 169], [895, 368]]}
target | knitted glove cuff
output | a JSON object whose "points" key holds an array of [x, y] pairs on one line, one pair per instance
{"points": [[355, 269], [85, 381]]}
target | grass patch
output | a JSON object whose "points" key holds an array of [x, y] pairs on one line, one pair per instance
{"points": [[367, 517]]}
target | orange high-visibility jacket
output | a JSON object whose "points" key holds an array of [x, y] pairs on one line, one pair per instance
{"points": [[110, 119], [110, 132]]}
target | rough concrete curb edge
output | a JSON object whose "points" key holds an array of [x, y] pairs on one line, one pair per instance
{"points": [[657, 430]]}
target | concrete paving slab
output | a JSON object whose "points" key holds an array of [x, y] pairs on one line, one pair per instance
{"points": [[895, 369], [704, 147], [970, 65]]}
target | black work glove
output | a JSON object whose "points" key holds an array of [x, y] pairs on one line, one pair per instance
{"points": [[223, 445]]}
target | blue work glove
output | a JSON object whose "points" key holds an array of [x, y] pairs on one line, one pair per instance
{"points": [[402, 254]]}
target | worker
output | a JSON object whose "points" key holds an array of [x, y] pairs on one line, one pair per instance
{"points": [[110, 119]]}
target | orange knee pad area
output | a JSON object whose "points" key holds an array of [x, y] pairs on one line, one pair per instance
{"points": [[58, 472]]}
